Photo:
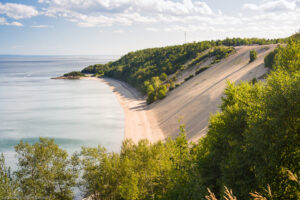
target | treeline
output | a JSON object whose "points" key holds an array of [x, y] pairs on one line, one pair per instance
{"points": [[137, 67], [252, 146], [74, 74]]}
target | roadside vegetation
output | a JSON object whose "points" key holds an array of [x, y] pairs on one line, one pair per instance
{"points": [[140, 67], [251, 151]]}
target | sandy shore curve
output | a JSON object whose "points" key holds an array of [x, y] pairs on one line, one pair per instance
{"points": [[140, 122]]}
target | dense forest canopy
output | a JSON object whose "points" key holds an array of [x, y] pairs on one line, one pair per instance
{"points": [[252, 147]]}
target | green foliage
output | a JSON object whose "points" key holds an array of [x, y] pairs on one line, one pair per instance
{"points": [[7, 183], [218, 53], [137, 67], [93, 69], [155, 89], [253, 142], [221, 52], [287, 58], [269, 60], [45, 171], [163, 76], [189, 77], [74, 73], [202, 69], [100, 177], [141, 171], [255, 138], [296, 36], [253, 55]]}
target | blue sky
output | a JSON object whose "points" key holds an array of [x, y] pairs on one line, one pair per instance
{"points": [[100, 27]]}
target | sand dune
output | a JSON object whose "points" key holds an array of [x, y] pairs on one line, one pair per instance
{"points": [[195, 100], [192, 103]]}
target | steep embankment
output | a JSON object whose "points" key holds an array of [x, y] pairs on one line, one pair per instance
{"points": [[196, 99]]}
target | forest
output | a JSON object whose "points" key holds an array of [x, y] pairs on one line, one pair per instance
{"points": [[251, 151], [142, 67]]}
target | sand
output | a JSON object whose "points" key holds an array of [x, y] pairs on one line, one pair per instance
{"points": [[140, 122]]}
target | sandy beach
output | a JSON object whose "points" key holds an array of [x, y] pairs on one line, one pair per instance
{"points": [[140, 122]]}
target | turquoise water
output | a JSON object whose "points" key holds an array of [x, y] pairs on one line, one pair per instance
{"points": [[73, 112]]}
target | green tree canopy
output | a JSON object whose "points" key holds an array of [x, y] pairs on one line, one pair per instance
{"points": [[45, 171]]}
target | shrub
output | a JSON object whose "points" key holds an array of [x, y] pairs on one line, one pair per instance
{"points": [[253, 55], [162, 92], [202, 69], [177, 85], [189, 77], [163, 77], [269, 59]]}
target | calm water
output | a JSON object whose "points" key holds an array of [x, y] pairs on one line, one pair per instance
{"points": [[73, 112]]}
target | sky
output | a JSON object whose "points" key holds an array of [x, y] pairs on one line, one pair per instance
{"points": [[115, 27]]}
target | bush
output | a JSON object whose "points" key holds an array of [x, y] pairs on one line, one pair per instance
{"points": [[163, 77], [269, 59], [155, 89], [189, 77], [202, 69], [253, 55], [162, 92]]}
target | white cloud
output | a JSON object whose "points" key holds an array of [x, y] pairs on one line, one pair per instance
{"points": [[4, 22], [40, 26], [17, 11], [272, 6], [99, 13]]}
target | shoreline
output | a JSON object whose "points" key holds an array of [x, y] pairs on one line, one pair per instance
{"points": [[140, 121]]}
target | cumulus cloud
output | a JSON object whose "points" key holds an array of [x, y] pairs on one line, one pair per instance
{"points": [[272, 6], [4, 22], [165, 15], [93, 13], [17, 11]]}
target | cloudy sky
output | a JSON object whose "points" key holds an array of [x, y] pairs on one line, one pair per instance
{"points": [[95, 27]]}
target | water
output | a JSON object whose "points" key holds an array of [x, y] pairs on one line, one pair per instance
{"points": [[73, 112]]}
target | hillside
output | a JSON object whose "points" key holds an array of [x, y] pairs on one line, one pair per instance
{"points": [[154, 71], [189, 93], [296, 36], [196, 99]]}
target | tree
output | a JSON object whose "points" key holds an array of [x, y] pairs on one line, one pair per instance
{"points": [[155, 89], [253, 55], [252, 142], [45, 171], [8, 185], [163, 77], [101, 173]]}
